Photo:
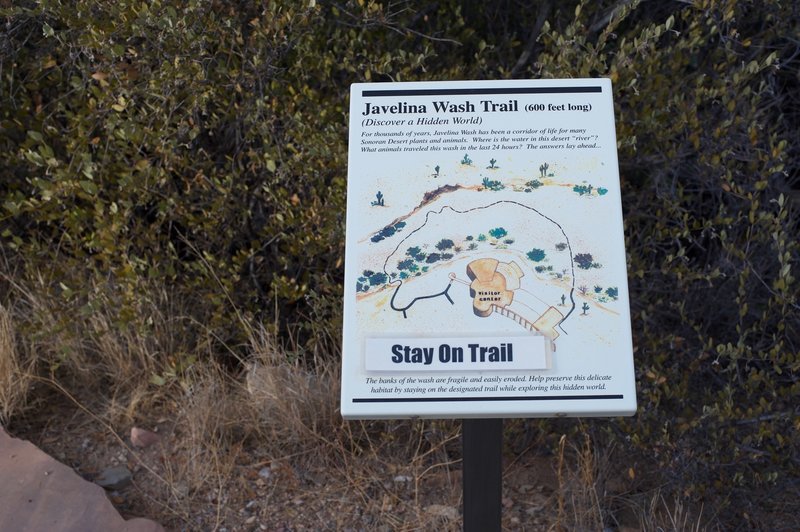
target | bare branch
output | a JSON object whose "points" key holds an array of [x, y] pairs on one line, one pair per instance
{"points": [[527, 53]]}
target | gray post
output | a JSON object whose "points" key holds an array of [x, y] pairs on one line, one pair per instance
{"points": [[482, 444]]}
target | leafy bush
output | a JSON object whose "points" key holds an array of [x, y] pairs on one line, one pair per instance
{"points": [[201, 147]]}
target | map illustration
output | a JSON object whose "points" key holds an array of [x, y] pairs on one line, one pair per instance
{"points": [[488, 244]]}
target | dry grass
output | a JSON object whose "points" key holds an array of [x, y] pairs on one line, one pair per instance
{"points": [[294, 406], [14, 373], [661, 515], [271, 433], [585, 502], [581, 496]]}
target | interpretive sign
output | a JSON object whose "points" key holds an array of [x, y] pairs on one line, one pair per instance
{"points": [[485, 262]]}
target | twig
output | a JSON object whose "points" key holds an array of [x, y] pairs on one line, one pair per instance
{"points": [[525, 57]]}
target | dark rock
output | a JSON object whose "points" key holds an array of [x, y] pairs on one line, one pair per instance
{"points": [[114, 478]]}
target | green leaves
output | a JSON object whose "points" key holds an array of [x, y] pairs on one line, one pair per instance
{"points": [[202, 147]]}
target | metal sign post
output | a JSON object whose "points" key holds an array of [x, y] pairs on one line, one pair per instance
{"points": [[482, 443], [485, 264]]}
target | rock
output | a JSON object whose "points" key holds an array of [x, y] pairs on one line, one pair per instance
{"points": [[265, 473], [402, 479], [114, 478], [143, 438], [440, 510], [534, 510], [58, 500]]}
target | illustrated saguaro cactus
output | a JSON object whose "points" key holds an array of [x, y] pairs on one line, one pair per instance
{"points": [[492, 164], [543, 169], [585, 308], [379, 201], [466, 160]]}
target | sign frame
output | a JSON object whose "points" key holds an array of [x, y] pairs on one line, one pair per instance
{"points": [[513, 187]]}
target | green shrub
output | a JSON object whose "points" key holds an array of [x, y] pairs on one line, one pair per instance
{"points": [[201, 146]]}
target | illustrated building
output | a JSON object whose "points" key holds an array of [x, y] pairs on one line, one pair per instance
{"points": [[492, 290]]}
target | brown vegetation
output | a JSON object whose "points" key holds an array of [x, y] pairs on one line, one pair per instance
{"points": [[171, 249]]}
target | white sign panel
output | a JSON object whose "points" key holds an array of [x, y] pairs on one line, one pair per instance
{"points": [[485, 262]]}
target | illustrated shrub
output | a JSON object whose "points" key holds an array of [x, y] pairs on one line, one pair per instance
{"points": [[497, 233], [405, 264], [585, 261], [536, 255], [377, 279], [445, 244], [494, 185]]}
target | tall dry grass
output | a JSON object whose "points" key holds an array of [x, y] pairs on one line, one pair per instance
{"points": [[271, 406], [670, 514], [15, 373], [586, 500]]}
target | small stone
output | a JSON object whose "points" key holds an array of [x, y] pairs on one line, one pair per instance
{"points": [[440, 510], [180, 489], [534, 510], [114, 478], [265, 473], [250, 520], [402, 478], [143, 438]]}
